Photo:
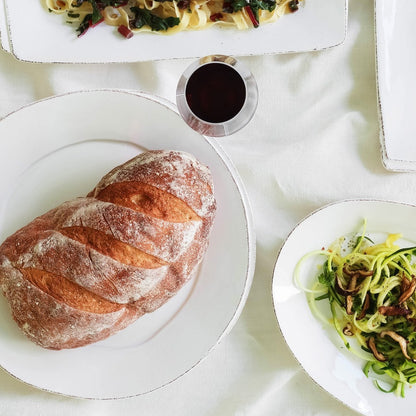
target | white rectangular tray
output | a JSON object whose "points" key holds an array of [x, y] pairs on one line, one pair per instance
{"points": [[396, 82], [39, 36]]}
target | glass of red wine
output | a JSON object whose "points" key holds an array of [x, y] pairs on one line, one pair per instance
{"points": [[217, 95]]}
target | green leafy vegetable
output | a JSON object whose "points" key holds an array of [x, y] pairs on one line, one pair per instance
{"points": [[327, 277], [255, 5], [143, 17], [96, 13]]}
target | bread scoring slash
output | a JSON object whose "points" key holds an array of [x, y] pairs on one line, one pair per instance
{"points": [[91, 266]]}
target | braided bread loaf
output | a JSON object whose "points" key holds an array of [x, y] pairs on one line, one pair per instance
{"points": [[93, 265]]}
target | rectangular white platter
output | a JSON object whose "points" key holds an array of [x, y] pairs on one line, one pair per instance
{"points": [[39, 36], [396, 82]]}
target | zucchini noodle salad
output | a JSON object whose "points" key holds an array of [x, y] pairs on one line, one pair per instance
{"points": [[369, 292], [169, 16]]}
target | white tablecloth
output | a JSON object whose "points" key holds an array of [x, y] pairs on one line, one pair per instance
{"points": [[314, 139]]}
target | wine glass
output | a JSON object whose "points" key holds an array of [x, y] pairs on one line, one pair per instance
{"points": [[216, 95]]}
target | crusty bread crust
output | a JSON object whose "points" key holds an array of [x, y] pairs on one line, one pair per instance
{"points": [[93, 265]]}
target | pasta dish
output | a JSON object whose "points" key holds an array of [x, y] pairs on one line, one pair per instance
{"points": [[169, 16], [368, 291]]}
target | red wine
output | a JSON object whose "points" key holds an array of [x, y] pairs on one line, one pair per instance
{"points": [[215, 92]]}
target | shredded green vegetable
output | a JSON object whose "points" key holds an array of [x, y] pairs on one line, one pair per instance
{"points": [[370, 291]]}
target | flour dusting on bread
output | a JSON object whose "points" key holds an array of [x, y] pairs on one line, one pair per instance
{"points": [[91, 266]]}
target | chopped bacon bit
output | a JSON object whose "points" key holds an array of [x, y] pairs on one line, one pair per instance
{"points": [[184, 4], [125, 31], [250, 13], [215, 17], [293, 5]]}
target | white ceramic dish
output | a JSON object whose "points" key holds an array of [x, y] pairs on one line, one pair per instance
{"points": [[4, 35], [57, 149], [317, 348], [39, 36], [396, 63]]}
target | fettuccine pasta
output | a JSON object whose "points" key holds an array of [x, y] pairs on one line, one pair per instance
{"points": [[170, 16]]}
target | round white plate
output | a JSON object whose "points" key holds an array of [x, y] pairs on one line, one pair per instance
{"points": [[318, 348], [59, 148]]}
